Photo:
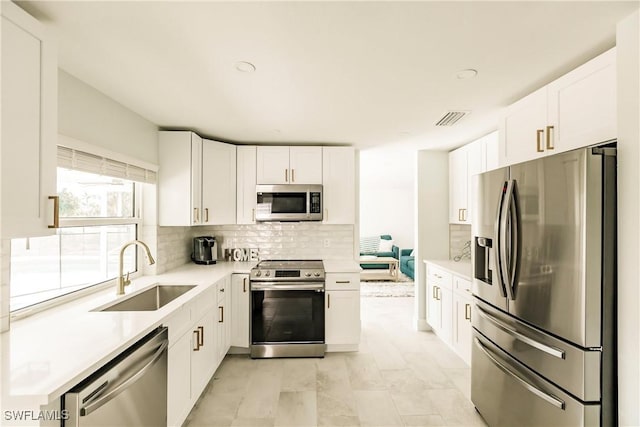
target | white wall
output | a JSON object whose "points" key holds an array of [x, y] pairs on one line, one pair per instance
{"points": [[432, 221], [88, 115], [387, 196], [628, 65]]}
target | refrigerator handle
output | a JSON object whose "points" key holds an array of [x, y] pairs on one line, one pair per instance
{"points": [[524, 383], [504, 243], [515, 238], [499, 243]]}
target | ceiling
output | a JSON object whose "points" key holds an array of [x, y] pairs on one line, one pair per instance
{"points": [[363, 73]]}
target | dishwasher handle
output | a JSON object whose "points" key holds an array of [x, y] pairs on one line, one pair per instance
{"points": [[92, 406]]}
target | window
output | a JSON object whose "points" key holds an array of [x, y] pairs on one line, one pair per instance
{"points": [[99, 212]]}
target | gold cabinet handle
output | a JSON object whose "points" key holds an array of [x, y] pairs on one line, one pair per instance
{"points": [[539, 147], [286, 175], [195, 215], [56, 212], [439, 294], [244, 284], [206, 214], [293, 175], [549, 142], [467, 311], [197, 341], [221, 314], [253, 215], [328, 300], [200, 336]]}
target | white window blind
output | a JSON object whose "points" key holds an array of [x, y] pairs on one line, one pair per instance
{"points": [[79, 160]]}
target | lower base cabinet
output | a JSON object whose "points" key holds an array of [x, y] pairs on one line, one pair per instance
{"points": [[179, 381], [342, 311], [449, 309], [240, 310]]}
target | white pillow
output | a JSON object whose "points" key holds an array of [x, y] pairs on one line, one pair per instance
{"points": [[385, 245], [411, 254]]}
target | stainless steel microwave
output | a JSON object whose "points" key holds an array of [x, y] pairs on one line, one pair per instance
{"points": [[289, 202]]}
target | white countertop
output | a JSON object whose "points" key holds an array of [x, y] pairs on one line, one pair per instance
{"points": [[341, 266], [461, 268], [44, 355]]}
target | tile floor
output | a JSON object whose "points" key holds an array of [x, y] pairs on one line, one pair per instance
{"points": [[400, 377]]}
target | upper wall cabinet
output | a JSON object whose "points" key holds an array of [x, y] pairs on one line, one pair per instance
{"points": [[218, 183], [576, 110], [339, 185], [246, 186], [465, 163], [289, 165], [196, 180], [29, 126]]}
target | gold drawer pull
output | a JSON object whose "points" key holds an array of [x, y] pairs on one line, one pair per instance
{"points": [[539, 147], [549, 143], [56, 212]]}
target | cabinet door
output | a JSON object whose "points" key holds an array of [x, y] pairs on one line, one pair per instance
{"points": [[522, 129], [203, 354], [577, 123], [196, 180], [246, 185], [434, 310], [490, 157], [445, 297], [29, 125], [342, 317], [272, 165], [338, 183], [218, 183], [458, 182], [474, 167], [462, 327], [179, 381], [240, 310], [305, 164]]}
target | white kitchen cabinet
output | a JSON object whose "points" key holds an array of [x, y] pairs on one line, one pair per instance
{"points": [[29, 126], [342, 311], [196, 180], [289, 165], [461, 337], [458, 185], [240, 310], [339, 185], [489, 152], [204, 358], [223, 319], [179, 381], [246, 184], [218, 183], [556, 117]]}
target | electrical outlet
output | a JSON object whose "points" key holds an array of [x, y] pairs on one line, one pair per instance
{"points": [[327, 243]]}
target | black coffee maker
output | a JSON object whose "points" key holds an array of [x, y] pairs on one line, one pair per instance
{"points": [[205, 250]]}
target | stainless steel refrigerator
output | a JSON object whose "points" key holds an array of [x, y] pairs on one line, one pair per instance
{"points": [[544, 261]]}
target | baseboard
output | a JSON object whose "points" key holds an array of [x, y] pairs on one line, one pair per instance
{"points": [[422, 325], [331, 348]]}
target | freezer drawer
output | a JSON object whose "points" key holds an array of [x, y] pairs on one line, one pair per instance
{"points": [[508, 394], [572, 368]]}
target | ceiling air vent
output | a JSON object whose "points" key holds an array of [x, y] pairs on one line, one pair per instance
{"points": [[451, 117]]}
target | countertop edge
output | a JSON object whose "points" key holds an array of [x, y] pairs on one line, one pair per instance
{"points": [[459, 268]]}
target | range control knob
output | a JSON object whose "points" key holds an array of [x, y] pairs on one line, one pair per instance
{"points": [[307, 274], [317, 274], [267, 273], [258, 273]]}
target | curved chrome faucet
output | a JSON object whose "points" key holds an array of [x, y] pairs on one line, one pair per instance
{"points": [[122, 281]]}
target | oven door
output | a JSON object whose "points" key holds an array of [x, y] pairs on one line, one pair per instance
{"points": [[287, 319]]}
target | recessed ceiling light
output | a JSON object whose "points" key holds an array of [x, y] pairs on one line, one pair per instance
{"points": [[466, 74], [245, 67]]}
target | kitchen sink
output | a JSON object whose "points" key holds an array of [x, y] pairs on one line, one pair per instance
{"points": [[150, 299]]}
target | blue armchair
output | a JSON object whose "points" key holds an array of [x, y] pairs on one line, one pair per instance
{"points": [[407, 262]]}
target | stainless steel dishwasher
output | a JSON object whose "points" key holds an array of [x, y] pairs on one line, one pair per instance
{"points": [[131, 390]]}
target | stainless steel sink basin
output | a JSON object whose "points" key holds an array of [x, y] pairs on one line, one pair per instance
{"points": [[149, 300]]}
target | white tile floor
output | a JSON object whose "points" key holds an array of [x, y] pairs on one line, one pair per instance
{"points": [[400, 377]]}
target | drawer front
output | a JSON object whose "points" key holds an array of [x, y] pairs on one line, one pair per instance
{"points": [[222, 288], [178, 322], [460, 284], [204, 302], [439, 277], [342, 282]]}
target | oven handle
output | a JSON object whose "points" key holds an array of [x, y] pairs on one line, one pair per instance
{"points": [[287, 286]]}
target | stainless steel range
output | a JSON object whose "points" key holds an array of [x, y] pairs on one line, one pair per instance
{"points": [[287, 309]]}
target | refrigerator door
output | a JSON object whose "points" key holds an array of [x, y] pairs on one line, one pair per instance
{"points": [[508, 394], [487, 278], [559, 279]]}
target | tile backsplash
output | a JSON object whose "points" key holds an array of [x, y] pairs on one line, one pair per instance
{"points": [[274, 241], [459, 235]]}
